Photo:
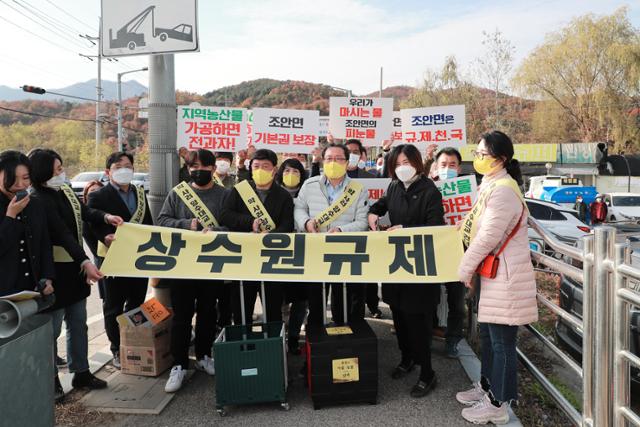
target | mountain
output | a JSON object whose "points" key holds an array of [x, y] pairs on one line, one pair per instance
{"points": [[86, 89]]}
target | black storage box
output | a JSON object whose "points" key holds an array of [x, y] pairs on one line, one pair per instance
{"points": [[342, 368]]}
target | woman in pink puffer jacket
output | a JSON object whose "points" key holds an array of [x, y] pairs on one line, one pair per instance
{"points": [[509, 299]]}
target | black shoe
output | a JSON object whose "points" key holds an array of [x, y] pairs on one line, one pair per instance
{"points": [[401, 370], [60, 362], [87, 380], [58, 392], [422, 388], [376, 314]]}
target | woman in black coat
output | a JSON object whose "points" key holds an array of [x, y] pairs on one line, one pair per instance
{"points": [[412, 200], [74, 270], [25, 247]]}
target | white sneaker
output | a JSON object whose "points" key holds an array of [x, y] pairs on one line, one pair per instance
{"points": [[471, 397], [175, 379], [206, 365], [484, 412]]}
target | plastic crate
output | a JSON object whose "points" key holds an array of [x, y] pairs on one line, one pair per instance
{"points": [[324, 351], [251, 365]]}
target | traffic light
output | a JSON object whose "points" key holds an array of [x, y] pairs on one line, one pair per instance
{"points": [[34, 89]]}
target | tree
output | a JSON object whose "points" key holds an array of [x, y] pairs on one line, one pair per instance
{"points": [[591, 71], [495, 66]]}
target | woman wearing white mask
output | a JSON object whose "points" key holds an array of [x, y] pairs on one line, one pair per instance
{"points": [[74, 271], [412, 200]]}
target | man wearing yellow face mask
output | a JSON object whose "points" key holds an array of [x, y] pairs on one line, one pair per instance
{"points": [[333, 192], [259, 206]]}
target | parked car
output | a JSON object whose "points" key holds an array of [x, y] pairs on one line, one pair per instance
{"points": [[561, 221], [79, 181], [571, 300], [622, 206], [141, 179]]}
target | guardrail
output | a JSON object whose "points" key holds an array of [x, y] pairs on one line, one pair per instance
{"points": [[605, 327]]}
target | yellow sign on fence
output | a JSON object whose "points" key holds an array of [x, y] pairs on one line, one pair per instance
{"points": [[411, 255], [536, 153]]}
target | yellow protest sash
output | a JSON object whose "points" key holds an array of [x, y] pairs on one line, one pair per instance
{"points": [[195, 205], [413, 255], [340, 205], [60, 254], [255, 206], [136, 218], [469, 223], [217, 179]]}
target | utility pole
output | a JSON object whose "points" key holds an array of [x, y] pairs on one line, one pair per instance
{"points": [[380, 93], [98, 57], [162, 129]]}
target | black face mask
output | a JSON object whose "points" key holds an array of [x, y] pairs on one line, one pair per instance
{"points": [[201, 177]]}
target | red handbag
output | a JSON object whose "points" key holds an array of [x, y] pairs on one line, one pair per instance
{"points": [[489, 266]]}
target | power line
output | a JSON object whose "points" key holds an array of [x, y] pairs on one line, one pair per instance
{"points": [[70, 15], [36, 35], [56, 32], [48, 18]]}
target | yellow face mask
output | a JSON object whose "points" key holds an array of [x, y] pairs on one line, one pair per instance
{"points": [[261, 176], [290, 180], [483, 166], [335, 170]]}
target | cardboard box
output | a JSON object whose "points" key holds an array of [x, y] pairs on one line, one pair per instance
{"points": [[146, 350]]}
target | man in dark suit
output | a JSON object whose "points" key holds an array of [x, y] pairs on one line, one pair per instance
{"points": [[119, 197]]}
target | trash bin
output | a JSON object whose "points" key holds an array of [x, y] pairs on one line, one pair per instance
{"points": [[26, 374]]}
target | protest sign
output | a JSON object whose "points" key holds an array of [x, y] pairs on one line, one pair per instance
{"points": [[367, 119], [376, 188], [444, 126], [285, 131], [212, 128], [534, 153], [323, 126], [412, 255], [396, 134], [458, 196]]}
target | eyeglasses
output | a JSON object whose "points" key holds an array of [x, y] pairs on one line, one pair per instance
{"points": [[480, 155], [335, 159]]}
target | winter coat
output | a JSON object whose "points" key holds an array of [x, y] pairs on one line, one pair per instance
{"points": [[418, 206], [509, 298]]}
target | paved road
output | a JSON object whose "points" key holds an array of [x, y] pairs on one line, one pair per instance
{"points": [[194, 405]]}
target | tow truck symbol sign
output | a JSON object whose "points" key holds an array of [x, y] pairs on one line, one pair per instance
{"points": [[128, 36]]}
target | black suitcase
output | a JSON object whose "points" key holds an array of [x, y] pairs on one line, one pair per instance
{"points": [[342, 367]]}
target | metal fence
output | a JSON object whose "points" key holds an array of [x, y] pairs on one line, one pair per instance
{"points": [[607, 298]]}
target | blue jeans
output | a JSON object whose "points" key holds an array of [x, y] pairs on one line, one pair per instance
{"points": [[75, 318], [500, 360]]}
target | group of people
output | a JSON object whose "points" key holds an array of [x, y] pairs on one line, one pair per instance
{"points": [[42, 233], [597, 210]]}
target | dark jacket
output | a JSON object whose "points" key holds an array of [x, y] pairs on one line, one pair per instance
{"points": [[108, 200], [70, 286], [32, 228], [278, 204], [419, 206], [184, 175]]}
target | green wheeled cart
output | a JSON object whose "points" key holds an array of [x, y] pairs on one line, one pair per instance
{"points": [[251, 362]]}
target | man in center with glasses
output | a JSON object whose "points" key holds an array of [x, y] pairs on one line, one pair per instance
{"points": [[333, 191]]}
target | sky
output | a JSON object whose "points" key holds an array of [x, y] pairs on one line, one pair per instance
{"points": [[338, 42]]}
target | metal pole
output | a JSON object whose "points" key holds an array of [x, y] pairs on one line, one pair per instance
{"points": [[603, 378], [380, 93], [263, 299], [345, 320], [621, 339], [98, 94], [120, 145], [324, 304], [588, 289], [162, 129]]}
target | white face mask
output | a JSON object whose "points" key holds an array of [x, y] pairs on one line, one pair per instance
{"points": [[405, 172], [247, 163], [57, 181], [122, 176], [222, 167], [447, 173], [362, 164], [353, 160]]}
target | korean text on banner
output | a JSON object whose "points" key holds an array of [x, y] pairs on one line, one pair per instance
{"points": [[444, 126], [534, 153], [396, 134], [376, 188], [368, 119], [458, 196], [323, 126], [412, 255], [285, 131], [212, 128]]}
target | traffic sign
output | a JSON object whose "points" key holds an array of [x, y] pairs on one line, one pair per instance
{"points": [[148, 27]]}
